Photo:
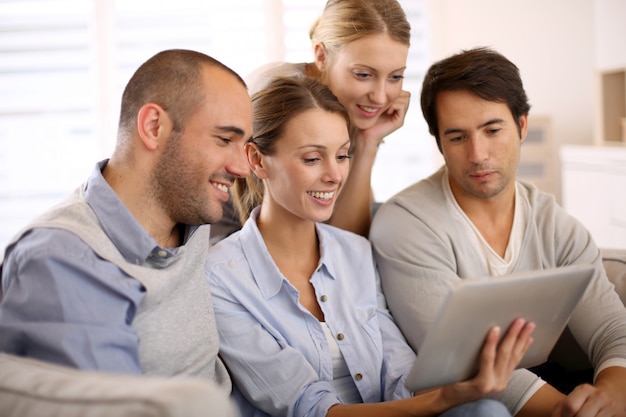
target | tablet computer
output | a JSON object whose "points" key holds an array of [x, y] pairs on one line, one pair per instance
{"points": [[451, 348]]}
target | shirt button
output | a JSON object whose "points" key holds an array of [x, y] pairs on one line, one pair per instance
{"points": [[340, 336], [323, 298], [358, 377], [162, 253]]}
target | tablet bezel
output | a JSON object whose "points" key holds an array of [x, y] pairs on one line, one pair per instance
{"points": [[451, 348]]}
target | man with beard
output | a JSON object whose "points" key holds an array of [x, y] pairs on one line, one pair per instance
{"points": [[112, 279], [473, 218]]}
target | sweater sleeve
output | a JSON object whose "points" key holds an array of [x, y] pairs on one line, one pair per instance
{"points": [[599, 322]]}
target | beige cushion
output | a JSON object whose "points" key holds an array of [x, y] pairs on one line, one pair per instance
{"points": [[33, 388]]}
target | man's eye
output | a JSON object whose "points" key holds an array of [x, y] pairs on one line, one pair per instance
{"points": [[225, 140]]}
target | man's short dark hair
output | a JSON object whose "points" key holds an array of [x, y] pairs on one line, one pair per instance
{"points": [[480, 71]]}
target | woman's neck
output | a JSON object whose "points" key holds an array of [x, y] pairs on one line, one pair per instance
{"points": [[287, 235], [294, 247]]}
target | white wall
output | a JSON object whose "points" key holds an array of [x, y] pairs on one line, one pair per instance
{"points": [[552, 43], [610, 40]]}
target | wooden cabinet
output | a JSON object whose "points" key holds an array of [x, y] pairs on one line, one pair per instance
{"points": [[538, 156], [594, 190], [612, 114]]}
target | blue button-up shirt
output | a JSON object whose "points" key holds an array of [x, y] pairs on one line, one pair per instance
{"points": [[276, 349], [62, 303]]}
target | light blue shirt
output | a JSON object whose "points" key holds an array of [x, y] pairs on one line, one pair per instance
{"points": [[276, 350], [60, 302]]}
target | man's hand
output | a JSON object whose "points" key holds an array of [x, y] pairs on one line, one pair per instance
{"points": [[497, 362], [591, 401]]}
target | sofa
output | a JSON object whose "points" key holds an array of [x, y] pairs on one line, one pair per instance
{"points": [[33, 388]]}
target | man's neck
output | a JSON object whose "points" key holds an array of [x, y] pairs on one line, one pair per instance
{"points": [[493, 217]]}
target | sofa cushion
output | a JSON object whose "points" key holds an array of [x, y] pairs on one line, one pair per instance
{"points": [[33, 388]]}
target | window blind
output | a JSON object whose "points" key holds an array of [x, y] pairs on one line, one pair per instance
{"points": [[64, 63]]}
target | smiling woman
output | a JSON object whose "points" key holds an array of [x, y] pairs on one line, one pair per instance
{"points": [[63, 64]]}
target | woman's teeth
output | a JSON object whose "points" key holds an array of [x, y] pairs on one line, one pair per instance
{"points": [[321, 195]]}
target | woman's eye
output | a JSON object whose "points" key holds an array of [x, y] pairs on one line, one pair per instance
{"points": [[362, 75], [311, 160], [342, 158], [397, 77]]}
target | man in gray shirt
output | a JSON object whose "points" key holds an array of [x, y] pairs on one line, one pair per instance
{"points": [[473, 218], [112, 279]]}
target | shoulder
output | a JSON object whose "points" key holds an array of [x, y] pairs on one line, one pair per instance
{"points": [[61, 262], [563, 238], [342, 242], [543, 206], [421, 202], [47, 242], [422, 196], [225, 250], [56, 228], [225, 260]]}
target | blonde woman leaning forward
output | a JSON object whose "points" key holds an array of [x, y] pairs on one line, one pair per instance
{"points": [[303, 325], [360, 50]]}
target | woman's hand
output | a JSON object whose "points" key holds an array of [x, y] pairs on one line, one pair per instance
{"points": [[497, 362], [390, 121]]}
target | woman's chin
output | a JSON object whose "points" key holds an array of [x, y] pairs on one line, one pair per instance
{"points": [[362, 123]]}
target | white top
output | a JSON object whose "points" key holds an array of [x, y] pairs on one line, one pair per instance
{"points": [[342, 380], [495, 264]]}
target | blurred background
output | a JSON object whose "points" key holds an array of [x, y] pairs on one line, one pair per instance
{"points": [[64, 63]]}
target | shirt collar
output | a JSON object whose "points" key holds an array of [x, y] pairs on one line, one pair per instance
{"points": [[131, 239], [266, 274]]}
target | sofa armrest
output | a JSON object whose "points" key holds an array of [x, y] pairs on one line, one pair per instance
{"points": [[33, 388]]}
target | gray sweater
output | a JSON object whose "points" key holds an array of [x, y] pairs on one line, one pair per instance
{"points": [[421, 251]]}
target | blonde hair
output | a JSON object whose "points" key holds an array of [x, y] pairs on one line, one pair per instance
{"points": [[345, 21], [273, 107]]}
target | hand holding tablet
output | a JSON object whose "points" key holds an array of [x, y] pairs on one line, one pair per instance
{"points": [[451, 350]]}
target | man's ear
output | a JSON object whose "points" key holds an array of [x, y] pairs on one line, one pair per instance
{"points": [[523, 127], [320, 56], [255, 160], [153, 125]]}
